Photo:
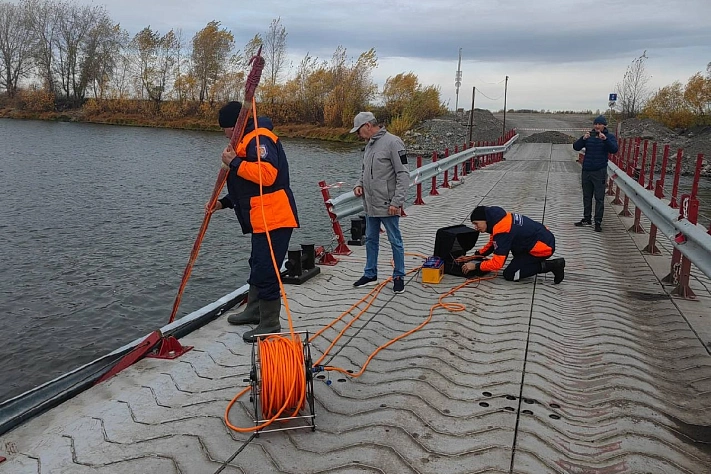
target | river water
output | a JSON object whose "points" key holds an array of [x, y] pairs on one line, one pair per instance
{"points": [[97, 223], [96, 226]]}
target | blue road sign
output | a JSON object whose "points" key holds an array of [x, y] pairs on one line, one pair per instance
{"points": [[613, 97]]}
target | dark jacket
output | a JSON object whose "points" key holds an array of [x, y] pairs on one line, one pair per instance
{"points": [[596, 150], [244, 178], [514, 233]]}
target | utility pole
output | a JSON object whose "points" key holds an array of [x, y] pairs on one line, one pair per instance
{"points": [[506, 86], [458, 81], [471, 117]]}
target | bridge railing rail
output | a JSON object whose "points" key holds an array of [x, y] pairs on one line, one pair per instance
{"points": [[676, 219]]}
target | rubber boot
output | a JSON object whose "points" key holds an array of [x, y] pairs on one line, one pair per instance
{"points": [[250, 315], [268, 320], [557, 266]]}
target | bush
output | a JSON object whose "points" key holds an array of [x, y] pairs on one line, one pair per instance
{"points": [[36, 100], [401, 124]]}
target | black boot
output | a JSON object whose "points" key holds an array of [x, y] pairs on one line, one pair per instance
{"points": [[250, 315], [557, 266], [268, 320]]}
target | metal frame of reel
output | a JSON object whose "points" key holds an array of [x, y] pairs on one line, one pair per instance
{"points": [[295, 422]]}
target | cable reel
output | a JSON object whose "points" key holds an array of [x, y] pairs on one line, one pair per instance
{"points": [[281, 382]]}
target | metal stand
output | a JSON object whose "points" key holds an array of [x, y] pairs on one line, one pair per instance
{"points": [[286, 423]]}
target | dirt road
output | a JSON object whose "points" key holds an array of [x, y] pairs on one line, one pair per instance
{"points": [[529, 124]]}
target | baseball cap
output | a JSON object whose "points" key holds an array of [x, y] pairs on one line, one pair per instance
{"points": [[361, 119]]}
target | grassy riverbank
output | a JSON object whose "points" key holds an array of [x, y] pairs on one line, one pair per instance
{"points": [[314, 132]]}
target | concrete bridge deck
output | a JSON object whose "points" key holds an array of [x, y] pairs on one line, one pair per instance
{"points": [[604, 373]]}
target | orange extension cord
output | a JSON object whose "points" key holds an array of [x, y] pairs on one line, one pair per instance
{"points": [[282, 365]]}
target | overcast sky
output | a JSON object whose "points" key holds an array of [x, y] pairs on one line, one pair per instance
{"points": [[558, 54]]}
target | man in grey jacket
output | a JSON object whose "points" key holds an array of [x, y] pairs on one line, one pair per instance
{"points": [[383, 183]]}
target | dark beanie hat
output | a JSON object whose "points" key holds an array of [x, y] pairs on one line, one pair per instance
{"points": [[229, 113], [478, 214], [601, 119]]}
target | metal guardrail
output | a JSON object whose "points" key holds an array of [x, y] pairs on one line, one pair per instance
{"points": [[697, 245], [348, 204]]}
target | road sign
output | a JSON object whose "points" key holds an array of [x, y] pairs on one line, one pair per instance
{"points": [[613, 97], [611, 103]]}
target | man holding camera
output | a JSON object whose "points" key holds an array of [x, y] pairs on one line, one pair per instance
{"points": [[598, 143]]}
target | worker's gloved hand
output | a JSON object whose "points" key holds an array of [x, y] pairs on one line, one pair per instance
{"points": [[473, 270], [477, 255]]}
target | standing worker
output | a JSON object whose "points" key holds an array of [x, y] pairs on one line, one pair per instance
{"points": [[530, 243], [383, 183], [243, 195], [598, 143]]}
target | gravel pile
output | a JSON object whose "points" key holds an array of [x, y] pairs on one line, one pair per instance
{"points": [[449, 131], [693, 141], [557, 138]]}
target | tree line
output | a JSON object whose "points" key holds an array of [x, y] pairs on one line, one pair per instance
{"points": [[676, 105], [58, 55]]}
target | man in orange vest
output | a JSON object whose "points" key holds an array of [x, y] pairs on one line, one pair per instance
{"points": [[272, 210]]}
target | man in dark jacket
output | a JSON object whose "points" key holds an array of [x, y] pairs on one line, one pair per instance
{"points": [[598, 143], [273, 211], [530, 243]]}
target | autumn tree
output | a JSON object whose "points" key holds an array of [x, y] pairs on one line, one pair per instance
{"points": [[351, 87], [307, 90], [15, 46], [697, 94], [250, 49], [212, 46], [74, 25], [44, 25], [399, 91], [669, 107], [275, 50], [632, 92], [103, 46], [404, 96], [157, 58]]}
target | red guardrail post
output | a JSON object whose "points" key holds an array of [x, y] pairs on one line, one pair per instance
{"points": [[445, 182], [677, 174], [689, 209], [680, 265], [663, 172], [418, 199], [342, 248], [631, 164], [610, 181], [636, 225], [455, 177], [643, 169], [650, 184], [652, 243], [681, 268], [433, 191], [620, 163], [464, 163]]}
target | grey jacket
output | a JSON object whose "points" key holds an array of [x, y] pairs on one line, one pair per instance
{"points": [[384, 177]]}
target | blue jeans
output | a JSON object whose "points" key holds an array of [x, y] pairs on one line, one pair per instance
{"points": [[372, 245]]}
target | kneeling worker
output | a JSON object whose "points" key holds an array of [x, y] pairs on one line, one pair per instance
{"points": [[530, 242]]}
